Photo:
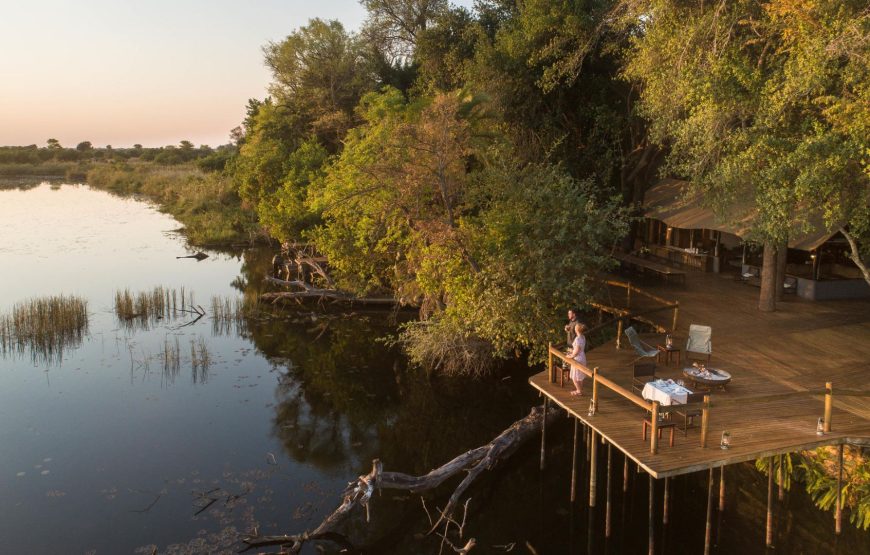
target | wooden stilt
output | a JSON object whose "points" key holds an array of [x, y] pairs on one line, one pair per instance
{"points": [[593, 469], [625, 476], [607, 509], [651, 534], [708, 531], [544, 431], [588, 438], [722, 489], [666, 510], [768, 537], [574, 461], [838, 515], [781, 474]]}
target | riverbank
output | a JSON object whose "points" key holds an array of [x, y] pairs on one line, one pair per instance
{"points": [[207, 204]]}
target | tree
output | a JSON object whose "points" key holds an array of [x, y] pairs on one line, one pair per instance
{"points": [[53, 144], [427, 201], [394, 26], [84, 146], [763, 106], [319, 74]]}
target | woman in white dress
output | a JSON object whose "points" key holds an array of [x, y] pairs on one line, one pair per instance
{"points": [[578, 353]]}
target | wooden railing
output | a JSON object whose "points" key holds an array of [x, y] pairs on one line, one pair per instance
{"points": [[625, 314], [705, 406]]}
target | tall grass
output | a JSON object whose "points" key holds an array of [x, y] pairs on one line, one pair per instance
{"points": [[145, 308], [200, 360], [207, 204], [171, 359], [44, 326], [231, 315]]}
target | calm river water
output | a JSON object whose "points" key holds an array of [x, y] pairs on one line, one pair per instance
{"points": [[107, 450]]}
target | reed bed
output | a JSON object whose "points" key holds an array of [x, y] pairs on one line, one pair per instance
{"points": [[171, 358], [45, 326], [231, 315], [145, 308], [200, 360]]}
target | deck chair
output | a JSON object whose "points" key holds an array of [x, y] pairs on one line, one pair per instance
{"points": [[689, 414], [643, 350], [700, 342], [642, 373]]}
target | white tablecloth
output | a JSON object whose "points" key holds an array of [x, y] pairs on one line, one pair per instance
{"points": [[666, 392]]}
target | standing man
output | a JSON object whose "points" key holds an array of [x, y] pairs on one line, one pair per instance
{"points": [[573, 320]]}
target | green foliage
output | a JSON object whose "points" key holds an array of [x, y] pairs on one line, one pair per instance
{"points": [[422, 201], [765, 102]]}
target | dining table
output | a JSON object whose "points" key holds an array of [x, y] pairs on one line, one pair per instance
{"points": [[666, 392]]}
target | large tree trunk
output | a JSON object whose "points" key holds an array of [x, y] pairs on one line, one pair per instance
{"points": [[767, 297], [855, 255], [781, 255]]}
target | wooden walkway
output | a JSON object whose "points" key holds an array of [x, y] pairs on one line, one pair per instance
{"points": [[798, 348]]}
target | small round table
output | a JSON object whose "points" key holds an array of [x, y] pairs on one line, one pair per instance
{"points": [[708, 378], [667, 352]]}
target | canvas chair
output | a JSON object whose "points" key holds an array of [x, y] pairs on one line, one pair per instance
{"points": [[689, 414], [700, 342], [643, 350], [642, 373]]}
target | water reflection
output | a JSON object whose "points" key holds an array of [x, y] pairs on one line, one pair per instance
{"points": [[182, 438]]}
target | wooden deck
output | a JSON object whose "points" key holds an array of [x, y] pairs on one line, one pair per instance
{"points": [[798, 348]]}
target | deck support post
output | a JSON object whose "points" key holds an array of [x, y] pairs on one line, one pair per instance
{"points": [[607, 506], [829, 405], [708, 531], [625, 475], [838, 514], [768, 537], [666, 509], [587, 437], [781, 476], [544, 432], [705, 420], [676, 312], [628, 296], [574, 461], [550, 376], [654, 420], [651, 535], [593, 469], [722, 489], [619, 333]]}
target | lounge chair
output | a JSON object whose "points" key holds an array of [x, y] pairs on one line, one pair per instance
{"points": [[700, 342], [644, 350]]}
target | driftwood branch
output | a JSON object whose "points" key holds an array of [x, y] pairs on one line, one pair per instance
{"points": [[311, 292], [358, 494]]}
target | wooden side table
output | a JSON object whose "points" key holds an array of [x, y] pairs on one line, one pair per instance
{"points": [[667, 352]]}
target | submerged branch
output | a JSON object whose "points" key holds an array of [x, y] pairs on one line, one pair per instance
{"points": [[358, 494]]}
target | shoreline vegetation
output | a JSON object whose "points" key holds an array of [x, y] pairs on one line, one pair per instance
{"points": [[189, 183]]}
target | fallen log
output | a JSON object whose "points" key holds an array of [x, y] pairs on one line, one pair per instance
{"points": [[359, 493], [199, 256], [311, 292]]}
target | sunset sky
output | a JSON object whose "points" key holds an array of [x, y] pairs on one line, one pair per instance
{"points": [[119, 72]]}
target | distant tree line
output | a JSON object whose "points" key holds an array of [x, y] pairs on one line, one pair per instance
{"points": [[204, 156]]}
